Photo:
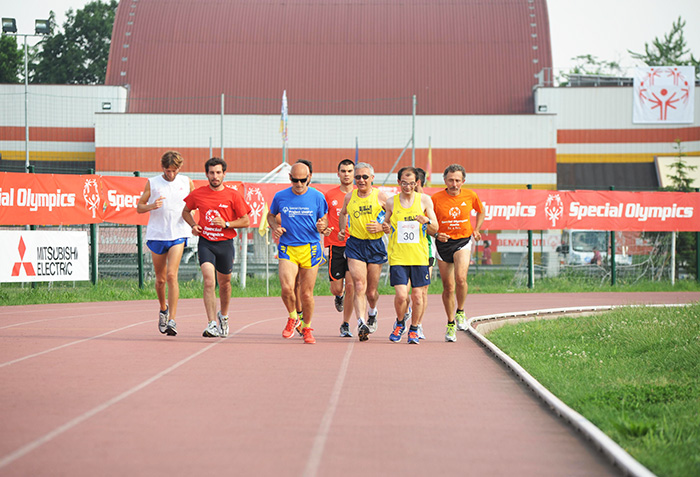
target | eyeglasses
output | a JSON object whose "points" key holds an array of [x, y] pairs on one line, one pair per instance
{"points": [[408, 184], [295, 180], [364, 177]]}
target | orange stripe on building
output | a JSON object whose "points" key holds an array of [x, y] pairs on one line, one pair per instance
{"points": [[614, 136], [147, 159], [14, 133]]}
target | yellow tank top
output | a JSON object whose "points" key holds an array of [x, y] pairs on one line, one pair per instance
{"points": [[408, 242], [362, 210]]}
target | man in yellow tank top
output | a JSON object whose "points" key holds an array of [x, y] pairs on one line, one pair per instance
{"points": [[409, 220], [363, 214]]}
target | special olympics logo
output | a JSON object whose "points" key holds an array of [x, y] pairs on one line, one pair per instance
{"points": [[455, 212], [91, 194], [256, 201], [663, 94], [211, 215], [554, 208]]}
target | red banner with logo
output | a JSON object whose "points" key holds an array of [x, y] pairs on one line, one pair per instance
{"points": [[48, 199]]}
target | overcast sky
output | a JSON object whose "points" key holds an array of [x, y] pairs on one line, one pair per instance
{"points": [[604, 28]]}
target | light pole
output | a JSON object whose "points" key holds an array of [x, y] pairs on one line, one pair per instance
{"points": [[41, 28]]}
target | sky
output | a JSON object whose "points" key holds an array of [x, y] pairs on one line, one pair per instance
{"points": [[603, 28]]}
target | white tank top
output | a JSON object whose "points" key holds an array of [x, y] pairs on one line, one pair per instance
{"points": [[167, 223]]}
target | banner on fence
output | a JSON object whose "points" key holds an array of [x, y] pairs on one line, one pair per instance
{"points": [[44, 256], [46, 199]]}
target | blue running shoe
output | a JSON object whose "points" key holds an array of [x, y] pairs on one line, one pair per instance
{"points": [[413, 337], [399, 328]]}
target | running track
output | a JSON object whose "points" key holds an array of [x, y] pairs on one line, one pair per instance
{"points": [[93, 389]]}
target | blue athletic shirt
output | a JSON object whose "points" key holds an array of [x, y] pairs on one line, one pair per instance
{"points": [[299, 214]]}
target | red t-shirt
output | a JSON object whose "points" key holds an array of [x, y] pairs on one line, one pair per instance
{"points": [[335, 198], [226, 203]]}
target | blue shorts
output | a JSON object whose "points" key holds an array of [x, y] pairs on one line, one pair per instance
{"points": [[220, 254], [159, 247], [368, 251], [306, 256], [418, 275]]}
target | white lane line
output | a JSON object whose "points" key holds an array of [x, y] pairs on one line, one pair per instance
{"points": [[35, 444], [66, 345], [316, 454]]}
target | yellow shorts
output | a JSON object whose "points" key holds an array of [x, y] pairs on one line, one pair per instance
{"points": [[306, 256]]}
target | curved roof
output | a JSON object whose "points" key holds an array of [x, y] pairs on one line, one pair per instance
{"points": [[458, 57]]}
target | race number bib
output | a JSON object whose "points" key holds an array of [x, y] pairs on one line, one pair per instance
{"points": [[408, 231]]}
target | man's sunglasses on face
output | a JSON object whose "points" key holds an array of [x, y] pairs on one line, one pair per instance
{"points": [[364, 177], [295, 180]]}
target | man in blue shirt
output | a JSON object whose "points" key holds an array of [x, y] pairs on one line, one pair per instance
{"points": [[303, 216]]}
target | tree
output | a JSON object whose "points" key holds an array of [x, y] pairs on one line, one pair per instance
{"points": [[671, 51], [78, 54], [11, 59], [590, 65]]}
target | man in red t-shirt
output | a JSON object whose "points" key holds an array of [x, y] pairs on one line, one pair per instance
{"points": [[221, 209], [453, 207], [341, 282]]}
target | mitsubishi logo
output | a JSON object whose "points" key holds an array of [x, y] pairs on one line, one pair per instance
{"points": [[28, 268]]}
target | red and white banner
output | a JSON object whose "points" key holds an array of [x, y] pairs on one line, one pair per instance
{"points": [[664, 94], [43, 256], [46, 199]]}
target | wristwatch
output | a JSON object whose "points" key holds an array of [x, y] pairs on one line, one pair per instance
{"points": [[436, 234], [225, 225]]}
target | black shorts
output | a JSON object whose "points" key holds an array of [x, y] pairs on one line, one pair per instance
{"points": [[446, 250], [337, 263], [220, 254]]}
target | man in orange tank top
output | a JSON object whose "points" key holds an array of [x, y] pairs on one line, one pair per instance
{"points": [[453, 207]]}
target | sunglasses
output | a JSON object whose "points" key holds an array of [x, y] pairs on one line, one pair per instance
{"points": [[299, 180], [363, 177]]}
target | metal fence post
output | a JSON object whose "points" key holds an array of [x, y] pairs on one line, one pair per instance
{"points": [[93, 246], [697, 252], [139, 245], [613, 267], [530, 257]]}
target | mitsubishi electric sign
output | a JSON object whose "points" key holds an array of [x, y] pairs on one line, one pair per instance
{"points": [[44, 256]]}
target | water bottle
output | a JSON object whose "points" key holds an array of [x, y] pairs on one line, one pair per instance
{"points": [[380, 216]]}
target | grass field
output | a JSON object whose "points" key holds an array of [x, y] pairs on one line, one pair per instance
{"points": [[633, 372], [119, 290]]}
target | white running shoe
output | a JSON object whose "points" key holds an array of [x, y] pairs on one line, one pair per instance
{"points": [[163, 320], [171, 329], [408, 315], [212, 330], [372, 322], [461, 321], [223, 324], [421, 335]]}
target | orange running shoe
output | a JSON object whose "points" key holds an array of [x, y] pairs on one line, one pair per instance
{"points": [[288, 331], [308, 337]]}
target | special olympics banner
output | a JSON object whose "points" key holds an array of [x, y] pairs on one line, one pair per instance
{"points": [[45, 199], [664, 94], [48, 199], [43, 256]]}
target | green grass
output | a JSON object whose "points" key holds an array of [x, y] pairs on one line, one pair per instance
{"points": [[495, 281], [633, 372]]}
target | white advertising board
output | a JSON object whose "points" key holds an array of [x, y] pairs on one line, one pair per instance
{"points": [[44, 256]]}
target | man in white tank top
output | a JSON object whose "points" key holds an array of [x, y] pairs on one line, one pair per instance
{"points": [[167, 233]]}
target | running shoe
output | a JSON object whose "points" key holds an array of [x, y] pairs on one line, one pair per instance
{"points": [[288, 331], [461, 321], [408, 315], [413, 337], [421, 335], [363, 331], [340, 302], [163, 320], [372, 323], [345, 331], [308, 337], [223, 323], [300, 325], [212, 330], [171, 329], [399, 328], [451, 333]]}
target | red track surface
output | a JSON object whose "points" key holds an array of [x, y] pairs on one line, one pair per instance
{"points": [[94, 389]]}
